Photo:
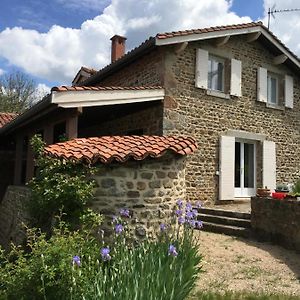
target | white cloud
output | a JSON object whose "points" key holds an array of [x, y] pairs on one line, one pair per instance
{"points": [[41, 91], [59, 53], [286, 25], [2, 72]]}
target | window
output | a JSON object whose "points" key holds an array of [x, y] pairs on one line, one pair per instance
{"points": [[216, 67], [221, 77], [273, 88]]}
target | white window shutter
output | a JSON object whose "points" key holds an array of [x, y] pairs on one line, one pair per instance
{"points": [[269, 164], [201, 73], [226, 162], [262, 85], [289, 91], [236, 78]]}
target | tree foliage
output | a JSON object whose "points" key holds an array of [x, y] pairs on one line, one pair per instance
{"points": [[17, 92], [59, 186]]}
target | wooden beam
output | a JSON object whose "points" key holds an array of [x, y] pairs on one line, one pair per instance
{"points": [[253, 36], [72, 127], [280, 59], [180, 47], [222, 40]]}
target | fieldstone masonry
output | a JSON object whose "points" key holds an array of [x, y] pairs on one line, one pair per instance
{"points": [[192, 111], [277, 220], [149, 189]]}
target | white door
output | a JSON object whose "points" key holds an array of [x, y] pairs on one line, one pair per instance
{"points": [[244, 169]]}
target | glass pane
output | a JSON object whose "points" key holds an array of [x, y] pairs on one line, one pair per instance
{"points": [[272, 89], [249, 165], [215, 74], [237, 165]]}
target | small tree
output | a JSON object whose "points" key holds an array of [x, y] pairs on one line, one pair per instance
{"points": [[17, 92], [60, 187]]}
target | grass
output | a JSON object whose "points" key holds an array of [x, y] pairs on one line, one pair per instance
{"points": [[240, 296]]}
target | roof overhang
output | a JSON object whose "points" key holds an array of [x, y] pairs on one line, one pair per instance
{"points": [[230, 32], [87, 98]]}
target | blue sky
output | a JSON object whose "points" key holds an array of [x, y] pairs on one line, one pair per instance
{"points": [[56, 37]]}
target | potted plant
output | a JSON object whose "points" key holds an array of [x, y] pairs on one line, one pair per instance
{"points": [[282, 188]]}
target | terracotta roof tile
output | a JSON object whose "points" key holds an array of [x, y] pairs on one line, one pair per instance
{"points": [[65, 88], [107, 149], [166, 35], [6, 118]]}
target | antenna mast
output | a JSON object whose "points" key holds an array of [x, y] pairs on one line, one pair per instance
{"points": [[272, 11]]}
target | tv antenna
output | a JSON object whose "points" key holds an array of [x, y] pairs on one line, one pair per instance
{"points": [[273, 10]]}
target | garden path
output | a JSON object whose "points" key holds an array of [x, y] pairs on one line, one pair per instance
{"points": [[236, 264]]}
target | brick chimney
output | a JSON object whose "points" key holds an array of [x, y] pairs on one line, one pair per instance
{"points": [[117, 47]]}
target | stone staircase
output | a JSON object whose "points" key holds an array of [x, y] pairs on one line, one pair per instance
{"points": [[226, 222]]}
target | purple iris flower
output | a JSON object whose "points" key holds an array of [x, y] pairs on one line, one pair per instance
{"points": [[178, 212], [192, 223], [114, 219], [189, 215], [105, 254], [199, 224], [172, 250], [125, 213], [162, 227], [118, 228], [76, 260], [181, 220], [179, 202], [188, 206]]}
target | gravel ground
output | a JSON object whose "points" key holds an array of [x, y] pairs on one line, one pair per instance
{"points": [[235, 264]]}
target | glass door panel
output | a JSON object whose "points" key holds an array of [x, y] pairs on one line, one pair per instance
{"points": [[244, 169]]}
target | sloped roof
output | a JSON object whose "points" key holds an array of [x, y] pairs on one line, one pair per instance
{"points": [[107, 149], [171, 34], [65, 88], [191, 35], [6, 118]]}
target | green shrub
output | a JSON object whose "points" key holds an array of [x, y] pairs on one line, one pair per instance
{"points": [[59, 185], [73, 265], [45, 269]]}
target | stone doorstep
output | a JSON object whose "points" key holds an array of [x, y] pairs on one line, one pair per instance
{"points": [[225, 213], [246, 223], [227, 230]]}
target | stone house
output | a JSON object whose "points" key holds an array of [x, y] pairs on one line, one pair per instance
{"points": [[235, 89]]}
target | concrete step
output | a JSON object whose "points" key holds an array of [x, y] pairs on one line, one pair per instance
{"points": [[225, 213], [226, 229], [225, 220]]}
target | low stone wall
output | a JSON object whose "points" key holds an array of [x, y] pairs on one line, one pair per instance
{"points": [[12, 215], [277, 221], [149, 189]]}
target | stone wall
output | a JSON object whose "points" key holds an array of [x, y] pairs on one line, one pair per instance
{"points": [[7, 170], [277, 221], [205, 117], [146, 70], [12, 215], [149, 189]]}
